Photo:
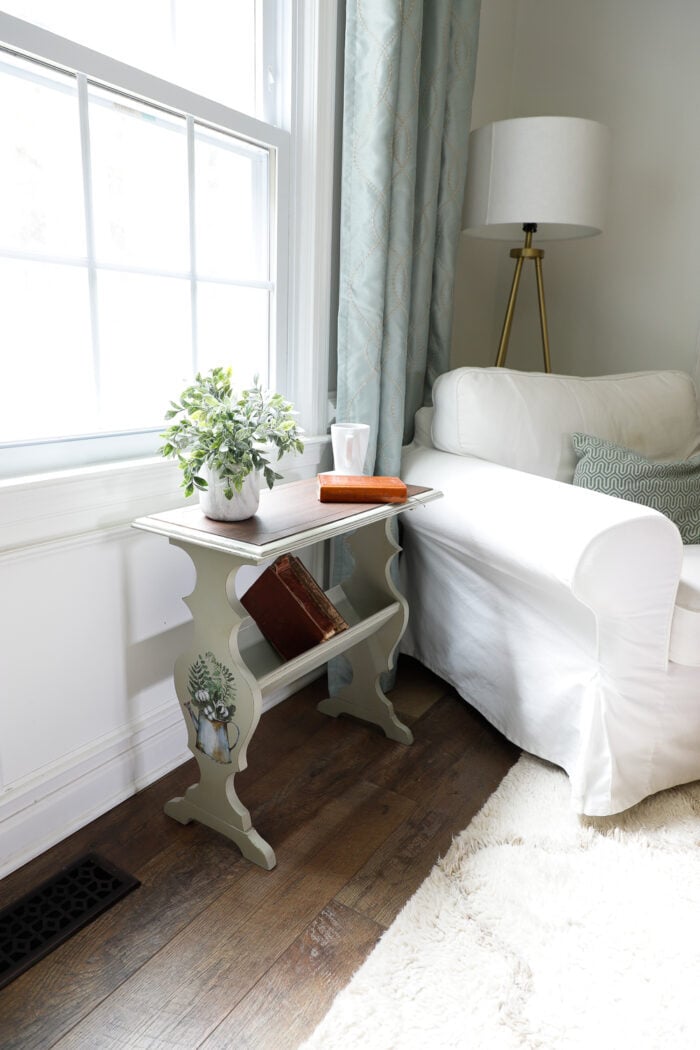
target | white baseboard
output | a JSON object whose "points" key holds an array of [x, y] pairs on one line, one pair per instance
{"points": [[47, 808]]}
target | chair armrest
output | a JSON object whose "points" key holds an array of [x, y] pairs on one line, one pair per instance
{"points": [[618, 558]]}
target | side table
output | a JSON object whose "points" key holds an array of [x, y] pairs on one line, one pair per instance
{"points": [[222, 678]]}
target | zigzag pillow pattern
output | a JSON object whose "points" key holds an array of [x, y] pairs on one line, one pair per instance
{"points": [[671, 488]]}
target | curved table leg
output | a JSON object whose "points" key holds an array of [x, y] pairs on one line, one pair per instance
{"points": [[221, 704], [373, 549]]}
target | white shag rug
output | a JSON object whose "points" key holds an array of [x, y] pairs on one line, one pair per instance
{"points": [[541, 929]]}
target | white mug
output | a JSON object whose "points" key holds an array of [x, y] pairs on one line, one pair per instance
{"points": [[350, 442]]}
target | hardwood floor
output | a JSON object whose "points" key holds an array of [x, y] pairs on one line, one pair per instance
{"points": [[212, 951]]}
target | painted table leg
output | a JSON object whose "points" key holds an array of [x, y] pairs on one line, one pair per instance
{"points": [[221, 705], [373, 549]]}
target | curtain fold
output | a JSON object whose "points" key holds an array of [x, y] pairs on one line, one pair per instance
{"points": [[409, 77], [409, 80]]}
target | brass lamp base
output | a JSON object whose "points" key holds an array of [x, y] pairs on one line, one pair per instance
{"points": [[520, 254]]}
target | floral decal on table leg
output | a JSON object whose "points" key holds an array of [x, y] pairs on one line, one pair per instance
{"points": [[212, 691]]}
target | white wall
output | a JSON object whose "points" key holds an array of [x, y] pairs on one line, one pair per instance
{"points": [[628, 299], [91, 621]]}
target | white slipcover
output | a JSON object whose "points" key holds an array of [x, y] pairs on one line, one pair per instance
{"points": [[554, 610]]}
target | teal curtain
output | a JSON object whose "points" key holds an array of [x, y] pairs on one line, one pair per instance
{"points": [[409, 77]]}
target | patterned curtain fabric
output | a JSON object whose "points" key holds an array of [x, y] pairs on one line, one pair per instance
{"points": [[409, 77]]}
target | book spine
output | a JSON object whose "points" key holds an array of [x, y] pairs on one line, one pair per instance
{"points": [[353, 495], [284, 568], [302, 583]]}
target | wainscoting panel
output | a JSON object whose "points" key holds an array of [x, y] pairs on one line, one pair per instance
{"points": [[39, 811]]}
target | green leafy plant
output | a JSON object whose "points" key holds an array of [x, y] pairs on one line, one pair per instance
{"points": [[231, 433]]}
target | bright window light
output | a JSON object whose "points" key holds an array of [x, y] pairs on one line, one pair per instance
{"points": [[210, 47], [139, 240]]}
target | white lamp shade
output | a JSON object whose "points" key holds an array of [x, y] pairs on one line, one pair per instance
{"points": [[552, 171]]}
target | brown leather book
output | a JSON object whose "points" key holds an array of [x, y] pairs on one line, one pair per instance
{"points": [[358, 488], [290, 608]]}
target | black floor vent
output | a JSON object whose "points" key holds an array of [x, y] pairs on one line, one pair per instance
{"points": [[48, 915]]}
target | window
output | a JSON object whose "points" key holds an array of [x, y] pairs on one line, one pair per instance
{"points": [[142, 226]]}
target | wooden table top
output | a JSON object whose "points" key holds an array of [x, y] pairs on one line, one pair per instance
{"points": [[291, 511]]}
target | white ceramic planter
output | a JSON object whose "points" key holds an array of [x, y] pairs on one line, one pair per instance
{"points": [[243, 505]]}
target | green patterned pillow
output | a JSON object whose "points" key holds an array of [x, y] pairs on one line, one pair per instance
{"points": [[671, 488]]}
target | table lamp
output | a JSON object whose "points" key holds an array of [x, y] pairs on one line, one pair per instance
{"points": [[543, 175]]}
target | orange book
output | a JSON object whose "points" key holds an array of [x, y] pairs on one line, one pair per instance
{"points": [[359, 488]]}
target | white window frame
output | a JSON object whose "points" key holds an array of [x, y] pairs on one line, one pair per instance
{"points": [[315, 125], [89, 497]]}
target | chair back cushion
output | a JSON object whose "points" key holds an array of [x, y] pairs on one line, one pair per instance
{"points": [[525, 420]]}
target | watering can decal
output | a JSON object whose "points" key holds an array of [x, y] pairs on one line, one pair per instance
{"points": [[211, 708]]}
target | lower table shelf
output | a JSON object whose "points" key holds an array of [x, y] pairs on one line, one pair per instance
{"points": [[272, 672]]}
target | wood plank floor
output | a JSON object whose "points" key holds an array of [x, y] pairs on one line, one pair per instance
{"points": [[212, 951]]}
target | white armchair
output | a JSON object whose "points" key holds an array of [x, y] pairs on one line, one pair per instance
{"points": [[569, 618]]}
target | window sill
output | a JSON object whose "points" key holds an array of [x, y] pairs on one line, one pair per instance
{"points": [[45, 508]]}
